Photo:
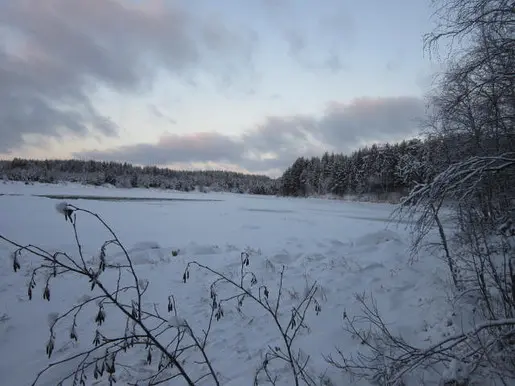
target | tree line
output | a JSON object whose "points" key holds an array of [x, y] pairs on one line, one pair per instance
{"points": [[377, 169], [125, 175]]}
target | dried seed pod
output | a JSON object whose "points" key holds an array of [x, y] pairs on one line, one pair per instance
{"points": [[101, 316], [46, 293], [50, 346], [73, 333], [16, 263]]}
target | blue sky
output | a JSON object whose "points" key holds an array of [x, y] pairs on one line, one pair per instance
{"points": [[240, 85]]}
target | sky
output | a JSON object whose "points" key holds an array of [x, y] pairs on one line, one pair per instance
{"points": [[243, 85]]}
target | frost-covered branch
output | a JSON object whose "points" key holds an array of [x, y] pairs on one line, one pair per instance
{"points": [[288, 329], [146, 330], [458, 181], [387, 358]]}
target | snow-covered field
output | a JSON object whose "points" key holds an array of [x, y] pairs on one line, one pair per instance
{"points": [[347, 247]]}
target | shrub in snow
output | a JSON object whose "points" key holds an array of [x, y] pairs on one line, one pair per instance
{"points": [[125, 328], [480, 255]]}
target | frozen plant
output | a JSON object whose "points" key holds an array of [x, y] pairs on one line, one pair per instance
{"points": [[125, 326], [116, 304], [288, 328]]}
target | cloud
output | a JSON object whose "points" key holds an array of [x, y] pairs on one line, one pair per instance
{"points": [[54, 54], [173, 148], [316, 36], [274, 144], [370, 119], [302, 51], [156, 111]]}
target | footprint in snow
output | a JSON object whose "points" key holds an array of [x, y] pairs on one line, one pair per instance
{"points": [[283, 258], [196, 249], [398, 295], [375, 238], [251, 227], [315, 257], [337, 243], [231, 248], [371, 267]]}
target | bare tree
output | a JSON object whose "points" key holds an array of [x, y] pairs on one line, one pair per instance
{"points": [[472, 117]]}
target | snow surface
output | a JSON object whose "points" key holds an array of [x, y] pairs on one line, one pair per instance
{"points": [[347, 247]]}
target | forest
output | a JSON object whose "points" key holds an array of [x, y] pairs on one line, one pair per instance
{"points": [[125, 175], [376, 170]]}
